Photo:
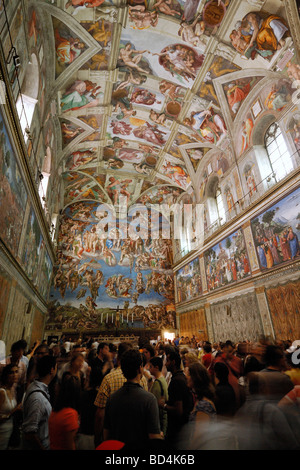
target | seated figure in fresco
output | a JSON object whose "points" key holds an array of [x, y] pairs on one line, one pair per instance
{"points": [[67, 49], [260, 33]]}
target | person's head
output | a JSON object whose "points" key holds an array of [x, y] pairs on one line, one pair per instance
{"points": [[77, 361], [173, 362], [199, 381], [190, 358], [41, 350], [156, 365], [113, 349], [252, 364], [23, 344], [56, 350], [122, 348], [149, 352], [274, 357], [17, 351], [221, 372], [77, 348], [10, 375], [131, 364], [229, 349], [103, 350], [69, 394], [168, 349], [207, 348], [46, 367]]}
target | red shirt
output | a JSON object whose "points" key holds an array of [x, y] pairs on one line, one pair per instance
{"points": [[60, 423], [207, 360]]}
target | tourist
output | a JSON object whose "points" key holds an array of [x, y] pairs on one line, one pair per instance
{"points": [[40, 351], [188, 359], [37, 407], [225, 397], [207, 358], [85, 368], [180, 402], [235, 367], [75, 370], [198, 380], [159, 389], [276, 384], [149, 353], [102, 364], [131, 413], [260, 424], [110, 384], [15, 357], [64, 418], [8, 405], [85, 439]]}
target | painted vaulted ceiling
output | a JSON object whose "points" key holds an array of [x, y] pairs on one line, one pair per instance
{"points": [[139, 96]]}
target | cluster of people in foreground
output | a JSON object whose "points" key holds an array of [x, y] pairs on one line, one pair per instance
{"points": [[176, 395]]}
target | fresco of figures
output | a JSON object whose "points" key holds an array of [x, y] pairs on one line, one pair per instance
{"points": [[294, 129], [176, 62], [45, 275], [276, 232], [5, 287], [227, 262], [68, 46], [32, 247], [90, 251], [13, 195], [188, 281], [80, 95], [236, 91], [259, 33], [207, 122], [219, 67]]}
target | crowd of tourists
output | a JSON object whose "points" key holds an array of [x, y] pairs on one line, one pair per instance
{"points": [[183, 394]]}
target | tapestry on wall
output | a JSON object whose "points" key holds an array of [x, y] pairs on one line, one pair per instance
{"points": [[236, 319], [284, 304], [194, 324]]}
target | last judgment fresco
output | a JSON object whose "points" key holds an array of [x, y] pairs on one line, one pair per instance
{"points": [[101, 282]]}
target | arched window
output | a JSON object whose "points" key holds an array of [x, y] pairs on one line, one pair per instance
{"points": [[220, 206], [28, 95], [278, 152]]}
